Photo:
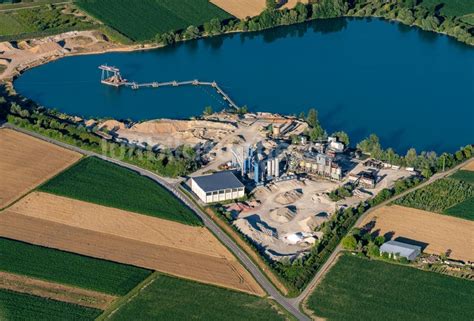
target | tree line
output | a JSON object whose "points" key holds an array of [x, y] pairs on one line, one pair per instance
{"points": [[409, 12], [26, 114]]}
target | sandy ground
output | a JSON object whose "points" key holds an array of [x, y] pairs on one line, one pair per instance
{"points": [[173, 133], [469, 167], [55, 291], [306, 212], [26, 162], [440, 232], [249, 8], [93, 230]]}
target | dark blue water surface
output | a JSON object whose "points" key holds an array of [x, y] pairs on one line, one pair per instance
{"points": [[412, 88]]}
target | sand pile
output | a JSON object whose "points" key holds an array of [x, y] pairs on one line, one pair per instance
{"points": [[283, 214], [289, 197], [171, 126], [112, 124]]}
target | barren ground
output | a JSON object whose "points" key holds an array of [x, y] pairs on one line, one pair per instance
{"points": [[249, 8], [55, 291], [102, 232], [440, 232], [26, 162], [469, 167]]}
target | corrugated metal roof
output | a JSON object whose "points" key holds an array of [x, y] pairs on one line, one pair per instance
{"points": [[398, 247], [218, 181]]}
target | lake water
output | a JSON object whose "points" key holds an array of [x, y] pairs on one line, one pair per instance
{"points": [[411, 88]]}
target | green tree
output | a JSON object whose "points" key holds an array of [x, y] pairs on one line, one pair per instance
{"points": [[271, 4], [349, 242], [342, 137], [312, 118], [373, 250]]}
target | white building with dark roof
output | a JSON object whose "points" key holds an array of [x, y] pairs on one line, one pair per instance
{"points": [[217, 187], [397, 249]]}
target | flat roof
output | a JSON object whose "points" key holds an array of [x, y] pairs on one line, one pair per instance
{"points": [[218, 181], [398, 247]]}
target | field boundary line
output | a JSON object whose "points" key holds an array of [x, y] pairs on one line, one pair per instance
{"points": [[311, 285], [248, 264], [121, 301]]}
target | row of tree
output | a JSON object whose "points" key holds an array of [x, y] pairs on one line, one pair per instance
{"points": [[409, 12], [171, 163], [296, 274]]}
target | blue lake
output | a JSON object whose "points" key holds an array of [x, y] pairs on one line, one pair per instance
{"points": [[411, 88]]}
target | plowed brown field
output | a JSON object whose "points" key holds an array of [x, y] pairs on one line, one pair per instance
{"points": [[55, 291], [440, 232], [26, 162], [116, 235]]}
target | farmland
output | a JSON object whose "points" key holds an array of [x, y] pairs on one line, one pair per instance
{"points": [[17, 306], [107, 233], [67, 268], [455, 8], [26, 162], [169, 298], [97, 181], [145, 19], [464, 209], [439, 232], [439, 196], [384, 291], [464, 175]]}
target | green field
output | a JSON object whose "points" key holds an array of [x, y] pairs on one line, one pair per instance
{"points": [[440, 196], [464, 209], [454, 8], [22, 307], [466, 176], [39, 21], [175, 299], [68, 268], [359, 289], [97, 181], [143, 20]]}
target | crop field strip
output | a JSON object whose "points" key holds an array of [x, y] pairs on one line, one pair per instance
{"points": [[144, 19], [26, 162], [129, 238], [439, 232], [444, 196], [376, 290], [68, 268], [100, 182], [19, 306], [169, 298], [55, 291]]}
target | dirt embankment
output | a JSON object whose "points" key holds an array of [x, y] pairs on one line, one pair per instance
{"points": [[440, 232], [55, 291], [26, 162], [125, 237]]}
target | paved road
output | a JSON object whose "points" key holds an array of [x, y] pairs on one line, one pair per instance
{"points": [[292, 305], [298, 300], [288, 304]]}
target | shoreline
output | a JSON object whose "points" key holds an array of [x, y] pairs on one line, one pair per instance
{"points": [[120, 48]]}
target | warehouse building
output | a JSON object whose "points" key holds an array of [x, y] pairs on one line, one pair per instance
{"points": [[217, 187], [397, 249]]}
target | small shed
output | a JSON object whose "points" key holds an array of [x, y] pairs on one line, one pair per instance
{"points": [[397, 249]]}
